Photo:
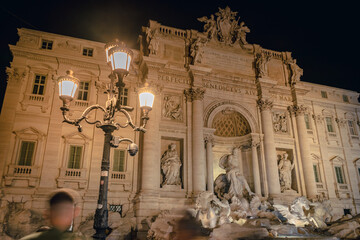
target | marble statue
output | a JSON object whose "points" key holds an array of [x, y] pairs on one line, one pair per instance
{"points": [[210, 28], [170, 166], [172, 107], [285, 167], [260, 64], [210, 211], [321, 214], [295, 213], [196, 50], [242, 30], [152, 42], [225, 28], [296, 72]]}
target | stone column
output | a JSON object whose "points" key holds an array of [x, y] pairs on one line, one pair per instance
{"points": [[198, 154], [209, 142], [269, 147], [304, 146], [256, 170]]}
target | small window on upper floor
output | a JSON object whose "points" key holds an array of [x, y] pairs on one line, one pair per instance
{"points": [[329, 124], [88, 52], [324, 94], [345, 98], [119, 160], [46, 44], [352, 128], [339, 175], [307, 121], [39, 84], [83, 91]]}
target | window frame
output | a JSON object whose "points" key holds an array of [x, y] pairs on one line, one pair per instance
{"points": [[307, 123], [20, 153], [341, 171], [51, 42], [124, 97], [87, 50], [84, 91], [353, 127], [324, 94], [113, 160], [69, 156], [332, 125], [345, 98], [39, 84]]}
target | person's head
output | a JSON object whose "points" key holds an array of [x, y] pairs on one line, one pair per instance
{"points": [[63, 209]]}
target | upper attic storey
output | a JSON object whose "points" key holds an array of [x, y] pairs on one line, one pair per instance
{"points": [[222, 44]]}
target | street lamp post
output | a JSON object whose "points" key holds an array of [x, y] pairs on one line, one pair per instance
{"points": [[119, 58]]}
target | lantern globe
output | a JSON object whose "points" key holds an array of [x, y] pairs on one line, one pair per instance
{"points": [[68, 85], [146, 100], [119, 57]]}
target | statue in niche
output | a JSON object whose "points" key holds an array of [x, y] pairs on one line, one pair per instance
{"points": [[170, 166], [285, 167], [233, 187], [279, 122], [172, 107], [210, 26]]}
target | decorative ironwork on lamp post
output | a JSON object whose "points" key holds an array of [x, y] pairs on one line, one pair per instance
{"points": [[119, 58]]}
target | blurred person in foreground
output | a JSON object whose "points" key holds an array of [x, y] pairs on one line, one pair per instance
{"points": [[61, 215]]}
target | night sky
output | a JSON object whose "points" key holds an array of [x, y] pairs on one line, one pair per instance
{"points": [[322, 37]]}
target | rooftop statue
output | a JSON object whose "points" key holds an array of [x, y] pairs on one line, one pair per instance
{"points": [[225, 28]]}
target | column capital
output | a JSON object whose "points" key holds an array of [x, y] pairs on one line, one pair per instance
{"points": [[193, 94], [298, 110], [264, 104], [209, 139], [254, 143]]}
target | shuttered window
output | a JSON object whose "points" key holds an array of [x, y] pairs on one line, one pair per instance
{"points": [[119, 160], [75, 157], [26, 153]]}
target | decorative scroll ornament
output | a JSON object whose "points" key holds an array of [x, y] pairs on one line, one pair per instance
{"points": [[225, 28], [264, 104], [194, 94], [298, 110]]}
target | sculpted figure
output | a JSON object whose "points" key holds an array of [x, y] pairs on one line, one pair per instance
{"points": [[211, 211], [196, 50], [295, 213], [260, 64], [170, 166], [296, 72], [210, 26], [285, 167], [172, 108], [241, 33]]}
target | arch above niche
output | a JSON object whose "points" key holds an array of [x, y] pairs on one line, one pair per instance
{"points": [[214, 108], [230, 123]]}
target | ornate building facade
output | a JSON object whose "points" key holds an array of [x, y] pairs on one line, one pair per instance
{"points": [[214, 92]]}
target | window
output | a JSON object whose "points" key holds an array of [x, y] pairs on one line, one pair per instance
{"points": [[339, 175], [26, 153], [316, 173], [47, 44], [39, 85], [345, 98], [307, 121], [75, 154], [83, 91], [88, 52], [119, 160], [324, 94], [359, 171], [329, 125], [124, 97], [352, 128]]}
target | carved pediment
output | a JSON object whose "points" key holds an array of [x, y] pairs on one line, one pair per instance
{"points": [[29, 132], [337, 159], [76, 136]]}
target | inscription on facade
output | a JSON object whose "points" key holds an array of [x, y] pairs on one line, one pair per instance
{"points": [[228, 88], [227, 61], [173, 79]]}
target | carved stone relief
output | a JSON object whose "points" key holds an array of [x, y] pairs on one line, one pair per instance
{"points": [[172, 107], [69, 46], [280, 122]]}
